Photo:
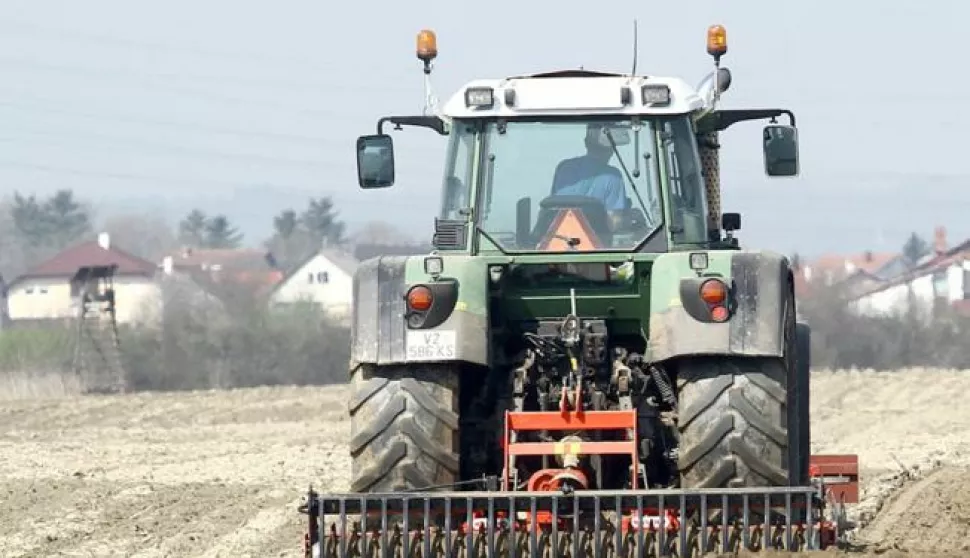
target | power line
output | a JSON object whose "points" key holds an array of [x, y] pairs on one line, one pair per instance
{"points": [[37, 107], [413, 203], [161, 85], [319, 87], [11, 26], [135, 142]]}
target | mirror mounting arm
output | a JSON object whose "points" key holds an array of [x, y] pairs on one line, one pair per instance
{"points": [[433, 122], [720, 120]]}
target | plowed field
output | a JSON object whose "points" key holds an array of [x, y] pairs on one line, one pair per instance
{"points": [[221, 473]]}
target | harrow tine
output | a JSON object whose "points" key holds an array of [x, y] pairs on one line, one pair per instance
{"points": [[384, 528], [641, 526], [577, 525], [513, 542], [683, 526], [703, 534], [725, 542], [427, 530], [575, 533], [469, 527], [766, 525], [788, 532], [597, 528]]}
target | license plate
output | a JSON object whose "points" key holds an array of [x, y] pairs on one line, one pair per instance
{"points": [[431, 345]]}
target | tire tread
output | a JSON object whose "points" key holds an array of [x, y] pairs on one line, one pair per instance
{"points": [[404, 427]]}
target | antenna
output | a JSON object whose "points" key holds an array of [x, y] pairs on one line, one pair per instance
{"points": [[634, 71]]}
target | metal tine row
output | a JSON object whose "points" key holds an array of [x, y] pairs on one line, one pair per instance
{"points": [[511, 505]]}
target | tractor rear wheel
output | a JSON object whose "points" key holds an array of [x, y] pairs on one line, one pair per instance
{"points": [[404, 427], [733, 418], [799, 417]]}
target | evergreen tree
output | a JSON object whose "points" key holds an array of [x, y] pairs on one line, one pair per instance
{"points": [[192, 229], [320, 220], [915, 248], [219, 233]]}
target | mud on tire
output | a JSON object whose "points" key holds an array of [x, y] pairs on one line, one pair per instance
{"points": [[404, 427]]}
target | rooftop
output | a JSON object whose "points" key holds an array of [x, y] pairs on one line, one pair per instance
{"points": [[92, 253], [229, 258]]}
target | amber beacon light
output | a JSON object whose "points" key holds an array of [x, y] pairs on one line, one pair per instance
{"points": [[716, 41], [427, 45]]}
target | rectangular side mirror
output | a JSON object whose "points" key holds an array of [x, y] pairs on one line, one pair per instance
{"points": [[780, 146], [731, 221], [375, 161]]}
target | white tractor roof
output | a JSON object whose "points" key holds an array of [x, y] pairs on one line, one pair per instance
{"points": [[574, 93]]}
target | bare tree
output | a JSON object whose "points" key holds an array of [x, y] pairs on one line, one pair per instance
{"points": [[379, 232], [145, 235], [12, 260]]}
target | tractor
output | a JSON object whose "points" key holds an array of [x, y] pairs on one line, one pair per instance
{"points": [[587, 363]]}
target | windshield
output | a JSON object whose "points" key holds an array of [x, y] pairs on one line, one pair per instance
{"points": [[569, 185]]}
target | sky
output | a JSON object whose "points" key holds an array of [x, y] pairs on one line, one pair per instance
{"points": [[249, 107]]}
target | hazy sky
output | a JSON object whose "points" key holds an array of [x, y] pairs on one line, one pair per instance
{"points": [[249, 107]]}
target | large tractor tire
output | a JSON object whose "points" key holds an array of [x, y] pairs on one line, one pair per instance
{"points": [[734, 418], [799, 414], [404, 427]]}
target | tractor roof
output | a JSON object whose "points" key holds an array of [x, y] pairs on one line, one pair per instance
{"points": [[573, 92]]}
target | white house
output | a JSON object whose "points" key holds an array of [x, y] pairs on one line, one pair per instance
{"points": [[944, 279], [325, 278], [46, 291]]}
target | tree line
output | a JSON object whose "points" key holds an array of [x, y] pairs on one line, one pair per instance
{"points": [[931, 335], [258, 345], [34, 228], [193, 347]]}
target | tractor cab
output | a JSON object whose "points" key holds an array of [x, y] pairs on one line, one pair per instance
{"points": [[577, 161]]}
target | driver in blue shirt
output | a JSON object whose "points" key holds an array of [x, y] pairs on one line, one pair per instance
{"points": [[591, 174]]}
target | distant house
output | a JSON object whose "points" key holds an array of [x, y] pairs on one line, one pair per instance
{"points": [[856, 273], [943, 277], [45, 292], [253, 270], [325, 278]]}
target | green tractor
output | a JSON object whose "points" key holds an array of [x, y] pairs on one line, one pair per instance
{"points": [[586, 330]]}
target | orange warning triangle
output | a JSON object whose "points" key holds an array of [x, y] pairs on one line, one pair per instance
{"points": [[570, 224]]}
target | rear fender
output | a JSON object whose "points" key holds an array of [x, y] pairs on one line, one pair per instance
{"points": [[380, 333], [759, 284]]}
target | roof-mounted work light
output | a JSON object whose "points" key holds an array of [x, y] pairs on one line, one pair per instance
{"points": [[655, 94], [479, 97]]}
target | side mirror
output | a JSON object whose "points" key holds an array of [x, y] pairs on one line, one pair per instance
{"points": [[780, 145], [375, 161], [731, 222]]}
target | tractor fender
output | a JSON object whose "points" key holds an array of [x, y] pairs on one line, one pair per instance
{"points": [[759, 284], [380, 333]]}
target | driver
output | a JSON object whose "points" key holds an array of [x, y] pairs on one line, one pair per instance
{"points": [[591, 175]]}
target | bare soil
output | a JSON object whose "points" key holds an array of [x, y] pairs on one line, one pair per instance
{"points": [[221, 473]]}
